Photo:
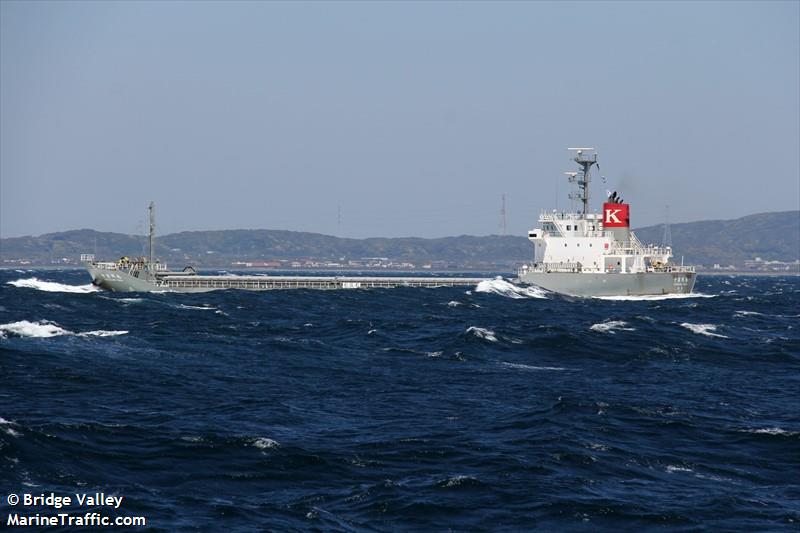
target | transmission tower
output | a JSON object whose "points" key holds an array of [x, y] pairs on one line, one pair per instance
{"points": [[666, 240], [503, 227]]}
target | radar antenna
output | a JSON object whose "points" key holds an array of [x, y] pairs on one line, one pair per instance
{"points": [[586, 162]]}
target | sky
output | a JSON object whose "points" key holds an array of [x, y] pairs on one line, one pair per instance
{"points": [[362, 119]]}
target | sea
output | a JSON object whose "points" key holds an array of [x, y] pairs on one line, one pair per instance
{"points": [[494, 407]]}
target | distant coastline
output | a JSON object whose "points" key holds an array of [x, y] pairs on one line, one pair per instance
{"points": [[765, 242]]}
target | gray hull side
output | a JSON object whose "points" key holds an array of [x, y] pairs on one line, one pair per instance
{"points": [[120, 281], [612, 284]]}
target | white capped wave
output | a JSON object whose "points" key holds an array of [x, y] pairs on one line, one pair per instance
{"points": [[672, 469], [611, 326], [24, 328], [458, 480], [11, 432], [747, 313], [509, 290], [655, 297], [703, 329], [8, 430], [772, 431], [264, 443], [482, 333], [52, 286], [44, 329], [453, 303], [197, 307], [519, 366], [103, 333]]}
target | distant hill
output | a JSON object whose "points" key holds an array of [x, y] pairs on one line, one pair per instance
{"points": [[220, 248], [771, 236]]}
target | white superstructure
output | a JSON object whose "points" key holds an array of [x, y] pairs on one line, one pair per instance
{"points": [[600, 246], [578, 242]]}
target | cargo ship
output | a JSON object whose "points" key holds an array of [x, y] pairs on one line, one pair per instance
{"points": [[596, 254], [574, 253]]}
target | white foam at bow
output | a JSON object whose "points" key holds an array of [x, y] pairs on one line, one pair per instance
{"points": [[482, 333], [703, 329], [609, 326], [509, 290], [52, 286], [44, 329]]}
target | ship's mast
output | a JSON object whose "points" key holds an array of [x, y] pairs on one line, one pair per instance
{"points": [[586, 162], [152, 239]]}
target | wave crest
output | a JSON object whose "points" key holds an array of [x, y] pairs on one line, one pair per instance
{"points": [[520, 366], [482, 333], [611, 326], [703, 329], [45, 329], [263, 443]]}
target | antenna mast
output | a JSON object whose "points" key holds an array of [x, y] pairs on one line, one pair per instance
{"points": [[582, 178], [152, 239]]}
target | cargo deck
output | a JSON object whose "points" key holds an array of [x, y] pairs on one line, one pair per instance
{"points": [[199, 282]]}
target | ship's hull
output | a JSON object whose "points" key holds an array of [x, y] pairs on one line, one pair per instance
{"points": [[123, 281], [612, 284]]}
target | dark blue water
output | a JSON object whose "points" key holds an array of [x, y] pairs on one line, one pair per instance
{"points": [[406, 409]]}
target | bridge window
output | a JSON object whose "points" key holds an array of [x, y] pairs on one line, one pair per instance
{"points": [[569, 228]]}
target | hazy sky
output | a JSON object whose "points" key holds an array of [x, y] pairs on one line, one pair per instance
{"points": [[411, 117]]}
